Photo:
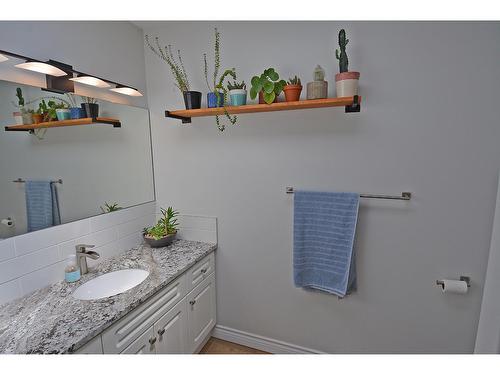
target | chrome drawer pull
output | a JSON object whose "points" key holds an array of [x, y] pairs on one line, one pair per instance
{"points": [[152, 340], [203, 270], [161, 331], [192, 303]]}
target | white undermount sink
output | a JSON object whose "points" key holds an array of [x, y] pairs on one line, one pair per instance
{"points": [[110, 284]]}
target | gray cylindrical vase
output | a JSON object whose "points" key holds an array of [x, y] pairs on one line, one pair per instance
{"points": [[317, 90]]}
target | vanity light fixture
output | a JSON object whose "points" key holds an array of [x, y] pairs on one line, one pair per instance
{"points": [[42, 67], [91, 81], [3, 58], [125, 90]]}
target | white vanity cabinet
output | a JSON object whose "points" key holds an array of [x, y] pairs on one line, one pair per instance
{"points": [[178, 319]]}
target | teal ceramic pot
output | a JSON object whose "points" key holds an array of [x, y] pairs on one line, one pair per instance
{"points": [[63, 114], [238, 97]]}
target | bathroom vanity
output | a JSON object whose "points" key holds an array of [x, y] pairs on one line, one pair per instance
{"points": [[172, 311]]}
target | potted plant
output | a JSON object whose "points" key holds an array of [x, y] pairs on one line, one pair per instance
{"points": [[165, 230], [318, 88], [192, 99], [237, 93], [90, 107], [21, 117], [214, 99], [346, 82], [268, 86], [62, 111], [38, 116], [292, 89], [75, 112]]}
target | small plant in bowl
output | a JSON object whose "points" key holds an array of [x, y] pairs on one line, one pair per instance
{"points": [[268, 86], [163, 233], [237, 93], [293, 89]]}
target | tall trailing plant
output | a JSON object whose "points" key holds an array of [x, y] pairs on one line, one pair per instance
{"points": [[176, 66], [218, 83], [342, 54]]}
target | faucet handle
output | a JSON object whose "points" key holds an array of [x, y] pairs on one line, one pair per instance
{"points": [[80, 248]]}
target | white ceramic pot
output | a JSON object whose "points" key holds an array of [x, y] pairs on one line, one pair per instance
{"points": [[346, 84]]}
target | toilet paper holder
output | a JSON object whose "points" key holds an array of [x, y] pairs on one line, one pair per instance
{"points": [[462, 278]]}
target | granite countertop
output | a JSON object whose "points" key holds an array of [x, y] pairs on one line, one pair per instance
{"points": [[51, 320]]}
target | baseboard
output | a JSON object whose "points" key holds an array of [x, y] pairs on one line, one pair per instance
{"points": [[265, 344]]}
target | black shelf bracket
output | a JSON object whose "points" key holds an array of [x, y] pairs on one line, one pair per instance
{"points": [[116, 124], [185, 120], [355, 106]]}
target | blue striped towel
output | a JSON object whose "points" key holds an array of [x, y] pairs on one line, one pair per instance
{"points": [[42, 205], [323, 238]]}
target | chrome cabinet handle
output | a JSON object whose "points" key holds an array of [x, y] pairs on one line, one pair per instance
{"points": [[161, 331], [152, 340], [203, 270], [192, 302]]}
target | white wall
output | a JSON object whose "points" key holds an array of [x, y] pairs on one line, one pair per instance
{"points": [[429, 124]]}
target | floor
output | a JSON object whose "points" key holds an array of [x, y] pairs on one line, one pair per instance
{"points": [[217, 346]]}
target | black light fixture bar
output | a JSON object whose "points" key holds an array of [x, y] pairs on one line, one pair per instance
{"points": [[66, 68]]}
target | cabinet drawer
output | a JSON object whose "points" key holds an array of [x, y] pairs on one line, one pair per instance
{"points": [[200, 271], [121, 334]]}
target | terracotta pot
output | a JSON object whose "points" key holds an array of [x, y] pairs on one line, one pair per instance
{"points": [[292, 92], [37, 118], [346, 84], [261, 98]]}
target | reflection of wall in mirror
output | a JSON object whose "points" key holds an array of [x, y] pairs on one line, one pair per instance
{"points": [[97, 163]]}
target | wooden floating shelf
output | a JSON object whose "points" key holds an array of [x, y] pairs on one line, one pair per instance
{"points": [[351, 104], [59, 124]]}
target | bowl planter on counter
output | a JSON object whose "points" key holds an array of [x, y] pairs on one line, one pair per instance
{"points": [[293, 89], [164, 231]]}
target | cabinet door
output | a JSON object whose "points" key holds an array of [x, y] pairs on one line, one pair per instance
{"points": [[144, 344], [94, 346], [171, 330], [201, 312]]}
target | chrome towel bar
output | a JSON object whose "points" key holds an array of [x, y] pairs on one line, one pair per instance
{"points": [[405, 195], [21, 181]]}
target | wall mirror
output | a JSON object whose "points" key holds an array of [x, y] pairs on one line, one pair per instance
{"points": [[60, 174]]}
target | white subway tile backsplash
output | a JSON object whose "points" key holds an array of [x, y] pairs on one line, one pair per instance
{"points": [[98, 239], [130, 241], [198, 222], [132, 226], [7, 250], [30, 242], [10, 291], [101, 222], [42, 278]]}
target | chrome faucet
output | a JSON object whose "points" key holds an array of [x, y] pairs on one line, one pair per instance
{"points": [[81, 257]]}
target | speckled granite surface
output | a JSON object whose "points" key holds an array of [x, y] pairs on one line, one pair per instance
{"points": [[50, 320]]}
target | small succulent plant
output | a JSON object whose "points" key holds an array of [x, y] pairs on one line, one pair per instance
{"points": [[294, 81], [237, 85], [166, 225]]}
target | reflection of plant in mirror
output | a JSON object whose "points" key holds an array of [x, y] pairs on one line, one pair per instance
{"points": [[166, 225], [110, 207], [89, 100]]}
